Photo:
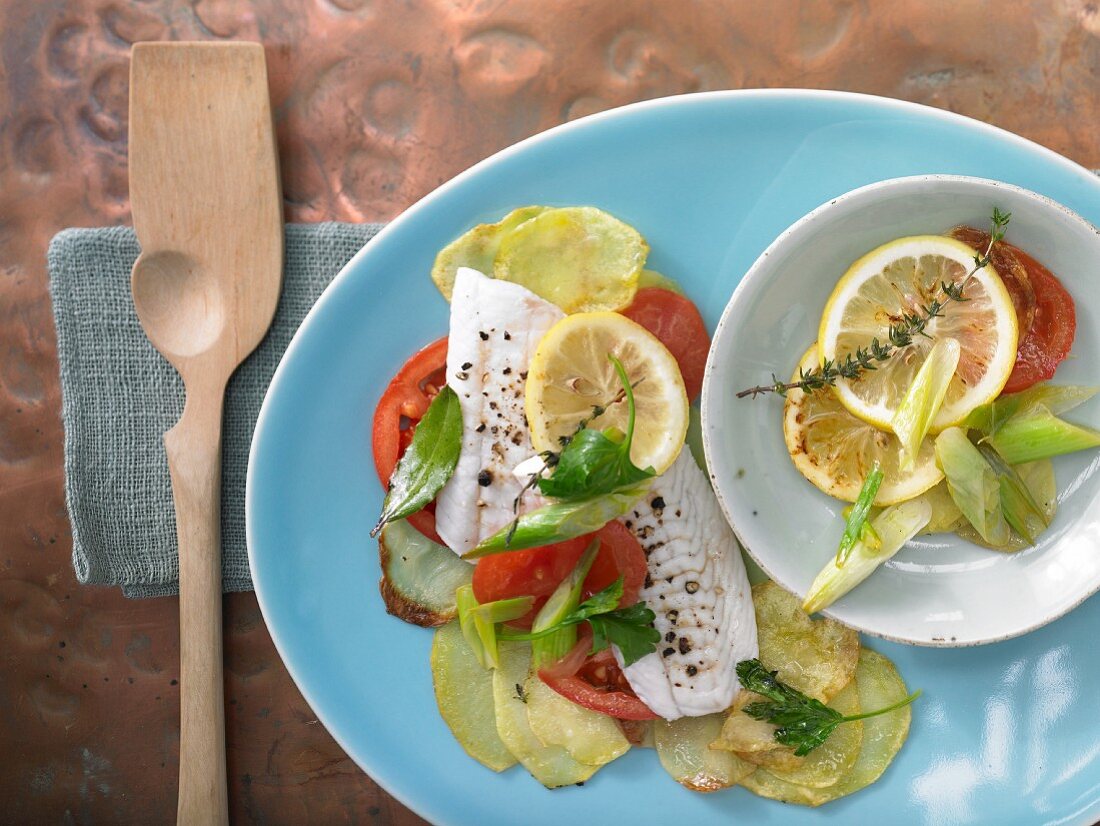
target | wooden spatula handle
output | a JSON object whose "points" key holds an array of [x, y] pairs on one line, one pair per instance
{"points": [[194, 460]]}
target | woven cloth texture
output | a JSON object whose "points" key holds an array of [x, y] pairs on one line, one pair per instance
{"points": [[119, 396]]}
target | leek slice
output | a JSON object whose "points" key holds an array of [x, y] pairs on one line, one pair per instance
{"points": [[1040, 435], [894, 526], [973, 485], [924, 398]]}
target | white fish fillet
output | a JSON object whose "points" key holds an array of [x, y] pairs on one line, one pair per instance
{"points": [[495, 328], [697, 586]]}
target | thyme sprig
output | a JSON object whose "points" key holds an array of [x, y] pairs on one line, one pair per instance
{"points": [[901, 333]]}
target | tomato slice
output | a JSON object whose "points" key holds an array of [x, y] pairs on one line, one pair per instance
{"points": [[403, 404], [1050, 338], [538, 571], [1045, 311], [676, 322], [595, 682]]}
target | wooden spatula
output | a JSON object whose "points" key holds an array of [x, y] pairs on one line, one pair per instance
{"points": [[204, 187]]}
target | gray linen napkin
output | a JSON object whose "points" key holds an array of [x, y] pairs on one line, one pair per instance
{"points": [[119, 396]]}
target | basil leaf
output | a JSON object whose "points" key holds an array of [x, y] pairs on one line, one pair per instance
{"points": [[428, 462], [591, 465], [631, 629], [558, 522]]}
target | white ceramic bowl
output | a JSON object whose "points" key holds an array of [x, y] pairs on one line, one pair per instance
{"points": [[938, 590]]}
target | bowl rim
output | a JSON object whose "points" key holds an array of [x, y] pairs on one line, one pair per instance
{"points": [[757, 273]]}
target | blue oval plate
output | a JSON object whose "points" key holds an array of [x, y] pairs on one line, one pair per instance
{"points": [[1007, 733]]}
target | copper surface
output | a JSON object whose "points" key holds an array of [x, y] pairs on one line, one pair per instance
{"points": [[377, 102]]}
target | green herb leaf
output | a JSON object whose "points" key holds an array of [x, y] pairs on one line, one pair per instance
{"points": [[631, 629], [428, 462], [857, 516], [803, 722], [559, 521], [594, 463]]}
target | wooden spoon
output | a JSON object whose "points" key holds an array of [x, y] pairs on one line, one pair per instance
{"points": [[207, 208]]}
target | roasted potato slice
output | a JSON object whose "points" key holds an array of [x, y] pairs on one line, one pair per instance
{"points": [[419, 577], [477, 248], [550, 765], [580, 258], [590, 737], [816, 656], [464, 693], [683, 747], [878, 685]]}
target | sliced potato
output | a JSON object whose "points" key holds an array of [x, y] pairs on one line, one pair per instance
{"points": [[652, 278], [1039, 478], [752, 740], [464, 693], [946, 515], [550, 765], [762, 782], [742, 733], [880, 686], [419, 577], [580, 258], [829, 762], [683, 747], [477, 248], [590, 737], [816, 656]]}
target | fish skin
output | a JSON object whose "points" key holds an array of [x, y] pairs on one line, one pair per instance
{"points": [[710, 629], [495, 328]]}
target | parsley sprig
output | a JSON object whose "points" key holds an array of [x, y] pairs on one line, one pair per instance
{"points": [[803, 722], [900, 335]]}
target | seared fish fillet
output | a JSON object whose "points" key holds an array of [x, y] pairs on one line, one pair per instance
{"points": [[697, 586], [495, 328]]}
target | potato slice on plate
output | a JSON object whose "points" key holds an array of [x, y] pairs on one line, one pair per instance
{"points": [[878, 685], [464, 693], [550, 765], [816, 656], [580, 258], [683, 747], [477, 248], [590, 737], [419, 577]]}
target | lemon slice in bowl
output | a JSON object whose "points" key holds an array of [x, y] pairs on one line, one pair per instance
{"points": [[902, 278], [835, 450], [570, 375]]}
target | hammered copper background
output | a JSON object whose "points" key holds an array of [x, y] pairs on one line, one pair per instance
{"points": [[377, 102]]}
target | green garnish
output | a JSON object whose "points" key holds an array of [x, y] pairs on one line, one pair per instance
{"points": [[804, 723], [857, 515], [559, 521], [480, 622], [901, 333], [428, 462], [630, 628], [597, 462]]}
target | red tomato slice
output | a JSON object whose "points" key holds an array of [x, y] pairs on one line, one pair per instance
{"points": [[1047, 316], [676, 322], [595, 682], [402, 405], [1050, 338], [538, 571]]}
